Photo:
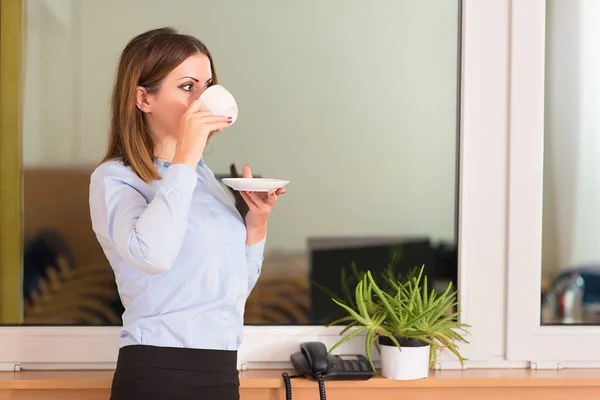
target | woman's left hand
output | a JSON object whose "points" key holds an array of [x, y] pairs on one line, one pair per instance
{"points": [[260, 204]]}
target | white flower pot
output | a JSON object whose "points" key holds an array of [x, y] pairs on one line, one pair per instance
{"points": [[410, 363]]}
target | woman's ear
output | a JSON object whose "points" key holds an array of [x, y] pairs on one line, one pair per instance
{"points": [[141, 99]]}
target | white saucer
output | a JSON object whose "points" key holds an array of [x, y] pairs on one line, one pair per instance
{"points": [[254, 184]]}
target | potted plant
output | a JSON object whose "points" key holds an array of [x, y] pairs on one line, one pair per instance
{"points": [[407, 323]]}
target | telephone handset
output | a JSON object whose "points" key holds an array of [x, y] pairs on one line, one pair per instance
{"points": [[315, 354], [313, 361]]}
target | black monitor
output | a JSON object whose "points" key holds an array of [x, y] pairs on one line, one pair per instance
{"points": [[328, 256]]}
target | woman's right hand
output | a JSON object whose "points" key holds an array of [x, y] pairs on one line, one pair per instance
{"points": [[195, 127]]}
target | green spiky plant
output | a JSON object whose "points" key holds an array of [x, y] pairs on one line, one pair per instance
{"points": [[407, 311]]}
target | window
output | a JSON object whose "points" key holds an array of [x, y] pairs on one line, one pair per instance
{"points": [[502, 98], [379, 151], [527, 339]]}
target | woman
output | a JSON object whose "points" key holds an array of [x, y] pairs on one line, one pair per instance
{"points": [[184, 259]]}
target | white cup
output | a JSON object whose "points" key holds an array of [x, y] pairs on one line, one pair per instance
{"points": [[219, 101]]}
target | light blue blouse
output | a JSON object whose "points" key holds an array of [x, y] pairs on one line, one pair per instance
{"points": [[177, 248]]}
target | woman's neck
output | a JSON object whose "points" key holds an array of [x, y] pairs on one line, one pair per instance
{"points": [[165, 149]]}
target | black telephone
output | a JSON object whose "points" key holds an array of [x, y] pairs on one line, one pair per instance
{"points": [[313, 361]]}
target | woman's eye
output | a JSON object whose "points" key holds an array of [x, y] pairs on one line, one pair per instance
{"points": [[187, 87], [208, 84]]}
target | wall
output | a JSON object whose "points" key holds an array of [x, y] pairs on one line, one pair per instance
{"points": [[355, 103], [572, 166]]}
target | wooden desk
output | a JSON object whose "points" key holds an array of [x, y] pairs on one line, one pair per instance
{"points": [[517, 384]]}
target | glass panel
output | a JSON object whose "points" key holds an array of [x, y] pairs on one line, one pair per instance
{"points": [[571, 220], [355, 103]]}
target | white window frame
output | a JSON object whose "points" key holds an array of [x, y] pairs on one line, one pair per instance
{"points": [[484, 238], [545, 346]]}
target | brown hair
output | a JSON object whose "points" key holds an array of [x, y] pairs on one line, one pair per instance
{"points": [[146, 60]]}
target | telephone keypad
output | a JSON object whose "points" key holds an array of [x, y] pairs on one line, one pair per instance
{"points": [[355, 366]]}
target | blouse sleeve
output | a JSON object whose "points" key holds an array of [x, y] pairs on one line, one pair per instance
{"points": [[148, 235]]}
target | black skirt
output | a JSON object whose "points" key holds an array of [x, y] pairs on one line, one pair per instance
{"points": [[167, 373]]}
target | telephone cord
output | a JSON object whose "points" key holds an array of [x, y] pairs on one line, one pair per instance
{"points": [[288, 386], [322, 394]]}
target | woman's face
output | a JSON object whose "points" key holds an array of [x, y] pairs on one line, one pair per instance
{"points": [[184, 84]]}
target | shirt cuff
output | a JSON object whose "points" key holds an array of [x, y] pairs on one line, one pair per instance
{"points": [[255, 253]]}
